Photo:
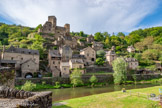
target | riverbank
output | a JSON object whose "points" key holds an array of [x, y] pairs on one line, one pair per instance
{"points": [[135, 98], [44, 86]]}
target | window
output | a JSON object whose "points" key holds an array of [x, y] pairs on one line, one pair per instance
{"points": [[21, 58], [12, 58], [55, 66], [53, 62], [87, 54], [29, 52], [58, 62], [64, 68], [28, 65]]}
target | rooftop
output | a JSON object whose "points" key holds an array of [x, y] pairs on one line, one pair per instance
{"points": [[12, 49]]}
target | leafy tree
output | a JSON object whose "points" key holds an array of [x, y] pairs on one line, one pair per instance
{"points": [[81, 33], [93, 79], [150, 54], [75, 77], [120, 34], [107, 42], [98, 36], [101, 53], [100, 61], [120, 70]]}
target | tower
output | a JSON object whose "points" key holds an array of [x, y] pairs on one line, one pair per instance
{"points": [[53, 20], [67, 27]]}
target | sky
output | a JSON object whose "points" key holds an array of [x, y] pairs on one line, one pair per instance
{"points": [[90, 16]]}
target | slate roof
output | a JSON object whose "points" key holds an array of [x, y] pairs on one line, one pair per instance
{"points": [[54, 53], [77, 61], [12, 49], [86, 48], [78, 56], [28, 61], [8, 61]]}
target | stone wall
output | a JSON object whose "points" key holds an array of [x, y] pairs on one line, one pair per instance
{"points": [[12, 98], [85, 78], [98, 69], [7, 77]]}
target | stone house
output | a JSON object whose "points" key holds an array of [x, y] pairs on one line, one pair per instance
{"points": [[130, 49], [90, 39], [90, 55], [20, 55], [132, 63], [28, 68], [50, 26], [54, 61], [66, 52], [77, 64], [111, 55], [65, 69], [97, 46]]}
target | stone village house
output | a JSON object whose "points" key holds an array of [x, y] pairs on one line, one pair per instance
{"points": [[130, 49], [90, 55], [25, 61]]}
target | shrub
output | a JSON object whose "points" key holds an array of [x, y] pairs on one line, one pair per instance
{"points": [[28, 86], [93, 80], [57, 85]]}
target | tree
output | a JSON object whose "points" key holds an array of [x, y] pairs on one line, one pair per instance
{"points": [[101, 53], [39, 26], [120, 70], [120, 34], [81, 33], [93, 79], [75, 77], [28, 86], [100, 61], [98, 36]]}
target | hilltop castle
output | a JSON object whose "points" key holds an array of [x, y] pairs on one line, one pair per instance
{"points": [[50, 26]]}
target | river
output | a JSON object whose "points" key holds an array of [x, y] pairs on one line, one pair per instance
{"points": [[69, 93]]}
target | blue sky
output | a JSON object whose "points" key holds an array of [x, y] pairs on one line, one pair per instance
{"points": [[89, 16]]}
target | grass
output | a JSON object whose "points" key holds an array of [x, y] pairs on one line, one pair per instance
{"points": [[115, 100]]}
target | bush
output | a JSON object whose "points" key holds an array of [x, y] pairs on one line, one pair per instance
{"points": [[93, 80], [57, 85], [28, 86]]}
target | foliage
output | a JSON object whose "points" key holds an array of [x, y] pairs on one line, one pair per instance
{"points": [[57, 85], [28, 86], [75, 77], [93, 79], [101, 53], [98, 36], [120, 70], [100, 61]]}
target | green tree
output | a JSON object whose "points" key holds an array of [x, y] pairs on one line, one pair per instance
{"points": [[120, 34], [98, 36], [75, 77], [93, 79], [120, 70], [101, 53], [100, 61]]}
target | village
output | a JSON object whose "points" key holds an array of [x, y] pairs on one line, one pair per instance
{"points": [[69, 53]]}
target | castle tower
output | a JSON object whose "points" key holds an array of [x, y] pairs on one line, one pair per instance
{"points": [[67, 27], [53, 20]]}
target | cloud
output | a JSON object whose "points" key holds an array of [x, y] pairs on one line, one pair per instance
{"points": [[88, 15]]}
